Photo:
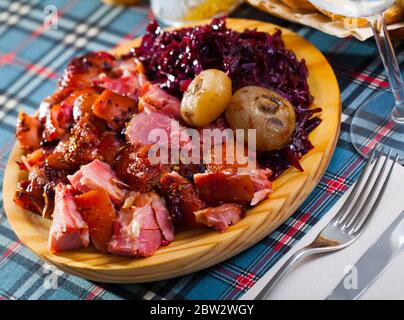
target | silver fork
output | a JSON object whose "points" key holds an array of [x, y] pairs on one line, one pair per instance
{"points": [[350, 220]]}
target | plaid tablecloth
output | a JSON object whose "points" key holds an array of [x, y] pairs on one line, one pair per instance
{"points": [[32, 57]]}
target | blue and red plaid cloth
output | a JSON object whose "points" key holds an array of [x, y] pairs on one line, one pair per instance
{"points": [[32, 57]]}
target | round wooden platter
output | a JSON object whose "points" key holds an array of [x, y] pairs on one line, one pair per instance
{"points": [[194, 250]]}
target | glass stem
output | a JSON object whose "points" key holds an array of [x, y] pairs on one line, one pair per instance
{"points": [[391, 65]]}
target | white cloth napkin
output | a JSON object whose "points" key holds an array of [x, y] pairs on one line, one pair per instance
{"points": [[317, 276]]}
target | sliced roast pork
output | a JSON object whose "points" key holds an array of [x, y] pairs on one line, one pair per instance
{"points": [[128, 78], [221, 217], [143, 225], [141, 125], [262, 184], [98, 174], [154, 98], [68, 231], [156, 128]]}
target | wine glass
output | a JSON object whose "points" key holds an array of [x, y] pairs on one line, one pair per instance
{"points": [[380, 119]]}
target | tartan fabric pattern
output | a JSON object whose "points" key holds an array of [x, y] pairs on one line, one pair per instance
{"points": [[31, 59]]}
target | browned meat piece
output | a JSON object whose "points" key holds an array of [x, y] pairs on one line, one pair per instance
{"points": [[32, 159], [28, 198], [87, 143], [55, 98], [82, 101], [224, 180], [82, 145], [109, 147], [114, 109], [58, 158], [28, 132], [60, 110], [182, 198], [134, 168], [56, 114], [124, 76], [58, 119], [188, 170], [85, 70], [36, 157], [37, 192], [222, 187]]}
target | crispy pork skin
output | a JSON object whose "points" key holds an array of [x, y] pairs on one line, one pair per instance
{"points": [[98, 212], [27, 198], [82, 101], [58, 119], [225, 186], [68, 231]]}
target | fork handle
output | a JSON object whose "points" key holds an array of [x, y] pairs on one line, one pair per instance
{"points": [[285, 268]]}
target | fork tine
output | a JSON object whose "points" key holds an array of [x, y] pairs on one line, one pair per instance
{"points": [[340, 216], [351, 202], [361, 223], [368, 190]]}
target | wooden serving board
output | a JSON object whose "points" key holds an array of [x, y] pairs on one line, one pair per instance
{"points": [[194, 250]]}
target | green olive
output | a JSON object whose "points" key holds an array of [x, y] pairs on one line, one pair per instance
{"points": [[206, 98], [265, 110]]}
